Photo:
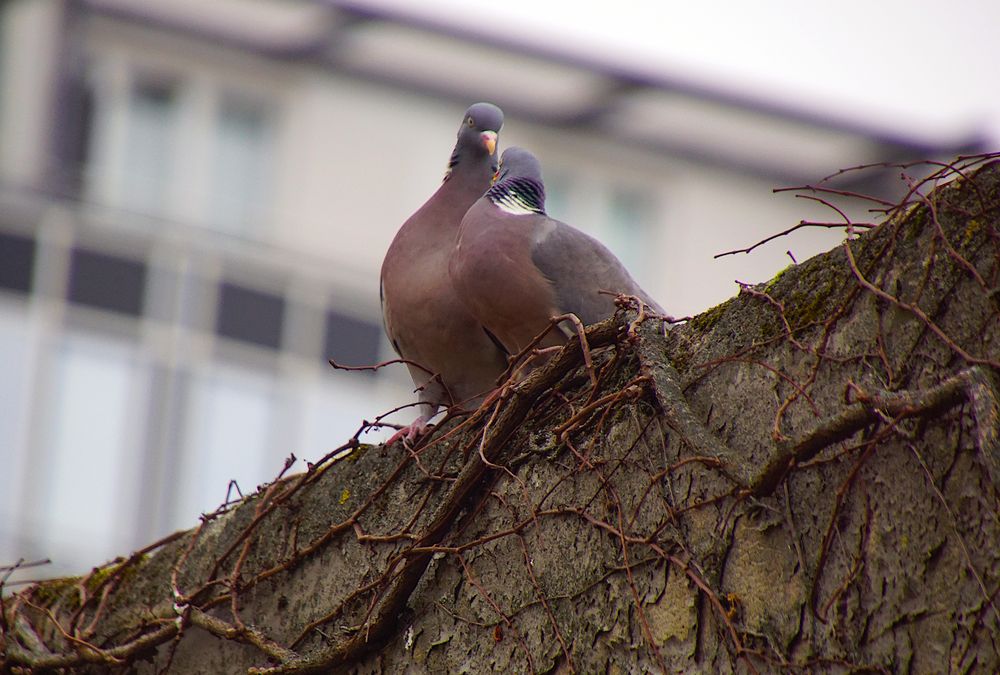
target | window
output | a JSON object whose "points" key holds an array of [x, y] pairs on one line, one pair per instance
{"points": [[333, 411], [166, 144], [350, 341], [78, 144], [71, 131], [95, 409], [18, 367], [629, 222], [232, 419], [17, 262], [250, 316], [239, 173], [146, 169], [107, 282]]}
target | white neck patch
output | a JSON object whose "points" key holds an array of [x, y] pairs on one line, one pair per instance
{"points": [[514, 205]]}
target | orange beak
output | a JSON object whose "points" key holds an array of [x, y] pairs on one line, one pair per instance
{"points": [[489, 140]]}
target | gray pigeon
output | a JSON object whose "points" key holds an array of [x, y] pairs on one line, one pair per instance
{"points": [[515, 268], [456, 361]]}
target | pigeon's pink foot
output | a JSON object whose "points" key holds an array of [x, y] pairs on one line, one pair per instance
{"points": [[411, 432]]}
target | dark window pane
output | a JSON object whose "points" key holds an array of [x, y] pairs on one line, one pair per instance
{"points": [[107, 281], [249, 315], [72, 132], [17, 262], [78, 143], [350, 341]]}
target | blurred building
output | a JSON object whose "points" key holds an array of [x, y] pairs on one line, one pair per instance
{"points": [[195, 198]]}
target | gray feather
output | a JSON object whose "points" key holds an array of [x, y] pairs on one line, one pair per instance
{"points": [[579, 266]]}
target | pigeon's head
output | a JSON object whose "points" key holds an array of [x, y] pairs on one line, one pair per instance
{"points": [[517, 185], [519, 163], [480, 127]]}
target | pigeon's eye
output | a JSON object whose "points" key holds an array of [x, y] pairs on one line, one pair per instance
{"points": [[469, 121]]}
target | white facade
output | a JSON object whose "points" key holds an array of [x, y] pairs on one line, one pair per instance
{"points": [[196, 227]]}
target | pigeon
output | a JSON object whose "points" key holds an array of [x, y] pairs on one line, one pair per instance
{"points": [[450, 358], [516, 268]]}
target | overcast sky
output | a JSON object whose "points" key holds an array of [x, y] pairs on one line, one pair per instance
{"points": [[926, 68]]}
